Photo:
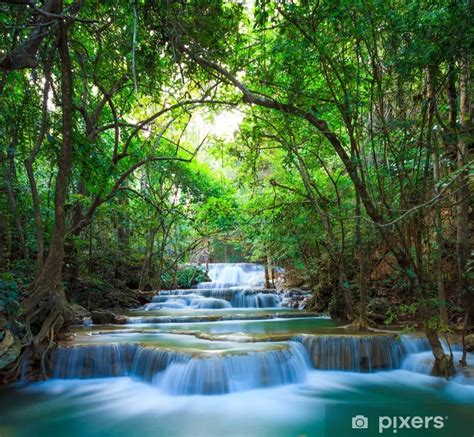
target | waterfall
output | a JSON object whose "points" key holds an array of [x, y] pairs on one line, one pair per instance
{"points": [[181, 373], [149, 361], [225, 275], [93, 361], [421, 362], [219, 371], [367, 353], [232, 373], [232, 286], [418, 355], [181, 299], [353, 353]]}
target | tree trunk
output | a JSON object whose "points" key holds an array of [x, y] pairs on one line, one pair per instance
{"points": [[123, 242], [37, 215], [432, 144], [145, 275], [360, 248], [31, 176], [25, 55], [443, 365], [443, 313], [48, 284], [3, 243], [267, 273], [464, 143], [332, 248], [20, 236], [164, 241], [271, 276]]}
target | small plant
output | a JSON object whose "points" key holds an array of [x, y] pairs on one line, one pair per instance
{"points": [[392, 316], [9, 295], [188, 276]]}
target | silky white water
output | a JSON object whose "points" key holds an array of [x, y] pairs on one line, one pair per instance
{"points": [[232, 286], [219, 360]]}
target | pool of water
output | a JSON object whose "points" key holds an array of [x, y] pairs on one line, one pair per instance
{"points": [[180, 312], [321, 405], [237, 371], [307, 325], [182, 342]]}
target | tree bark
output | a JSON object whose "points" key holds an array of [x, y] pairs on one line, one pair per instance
{"points": [[464, 144], [361, 255], [31, 176], [432, 144], [332, 247], [267, 273], [48, 283], [443, 313], [145, 275], [443, 365], [3, 243], [20, 236], [25, 55]]}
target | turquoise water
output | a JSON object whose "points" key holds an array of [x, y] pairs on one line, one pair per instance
{"points": [[186, 372], [324, 402], [270, 326], [173, 312]]}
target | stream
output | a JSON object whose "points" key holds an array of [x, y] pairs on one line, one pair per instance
{"points": [[230, 358]]}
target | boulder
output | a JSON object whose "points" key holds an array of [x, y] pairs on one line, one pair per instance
{"points": [[74, 314], [10, 348], [469, 342], [107, 318], [379, 305]]}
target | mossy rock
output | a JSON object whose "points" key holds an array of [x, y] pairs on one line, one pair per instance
{"points": [[108, 318], [10, 349], [469, 342], [74, 314]]}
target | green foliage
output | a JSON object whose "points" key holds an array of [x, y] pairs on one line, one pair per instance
{"points": [[188, 276], [9, 295], [148, 192]]}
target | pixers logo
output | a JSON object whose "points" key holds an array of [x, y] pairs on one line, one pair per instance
{"points": [[395, 423]]}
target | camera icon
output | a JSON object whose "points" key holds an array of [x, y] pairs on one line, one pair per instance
{"points": [[360, 422]]}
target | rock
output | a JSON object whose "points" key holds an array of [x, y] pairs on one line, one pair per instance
{"points": [[10, 349], [379, 305], [74, 314], [66, 336], [107, 318], [469, 342]]}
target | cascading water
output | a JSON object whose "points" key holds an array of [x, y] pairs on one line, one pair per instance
{"points": [[231, 373], [184, 373], [275, 363], [352, 353], [366, 353], [232, 286], [236, 348], [225, 275]]}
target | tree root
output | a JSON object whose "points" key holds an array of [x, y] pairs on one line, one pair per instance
{"points": [[41, 326], [443, 365], [360, 324]]}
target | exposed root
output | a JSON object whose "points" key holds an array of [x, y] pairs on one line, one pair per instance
{"points": [[443, 365], [360, 324]]}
